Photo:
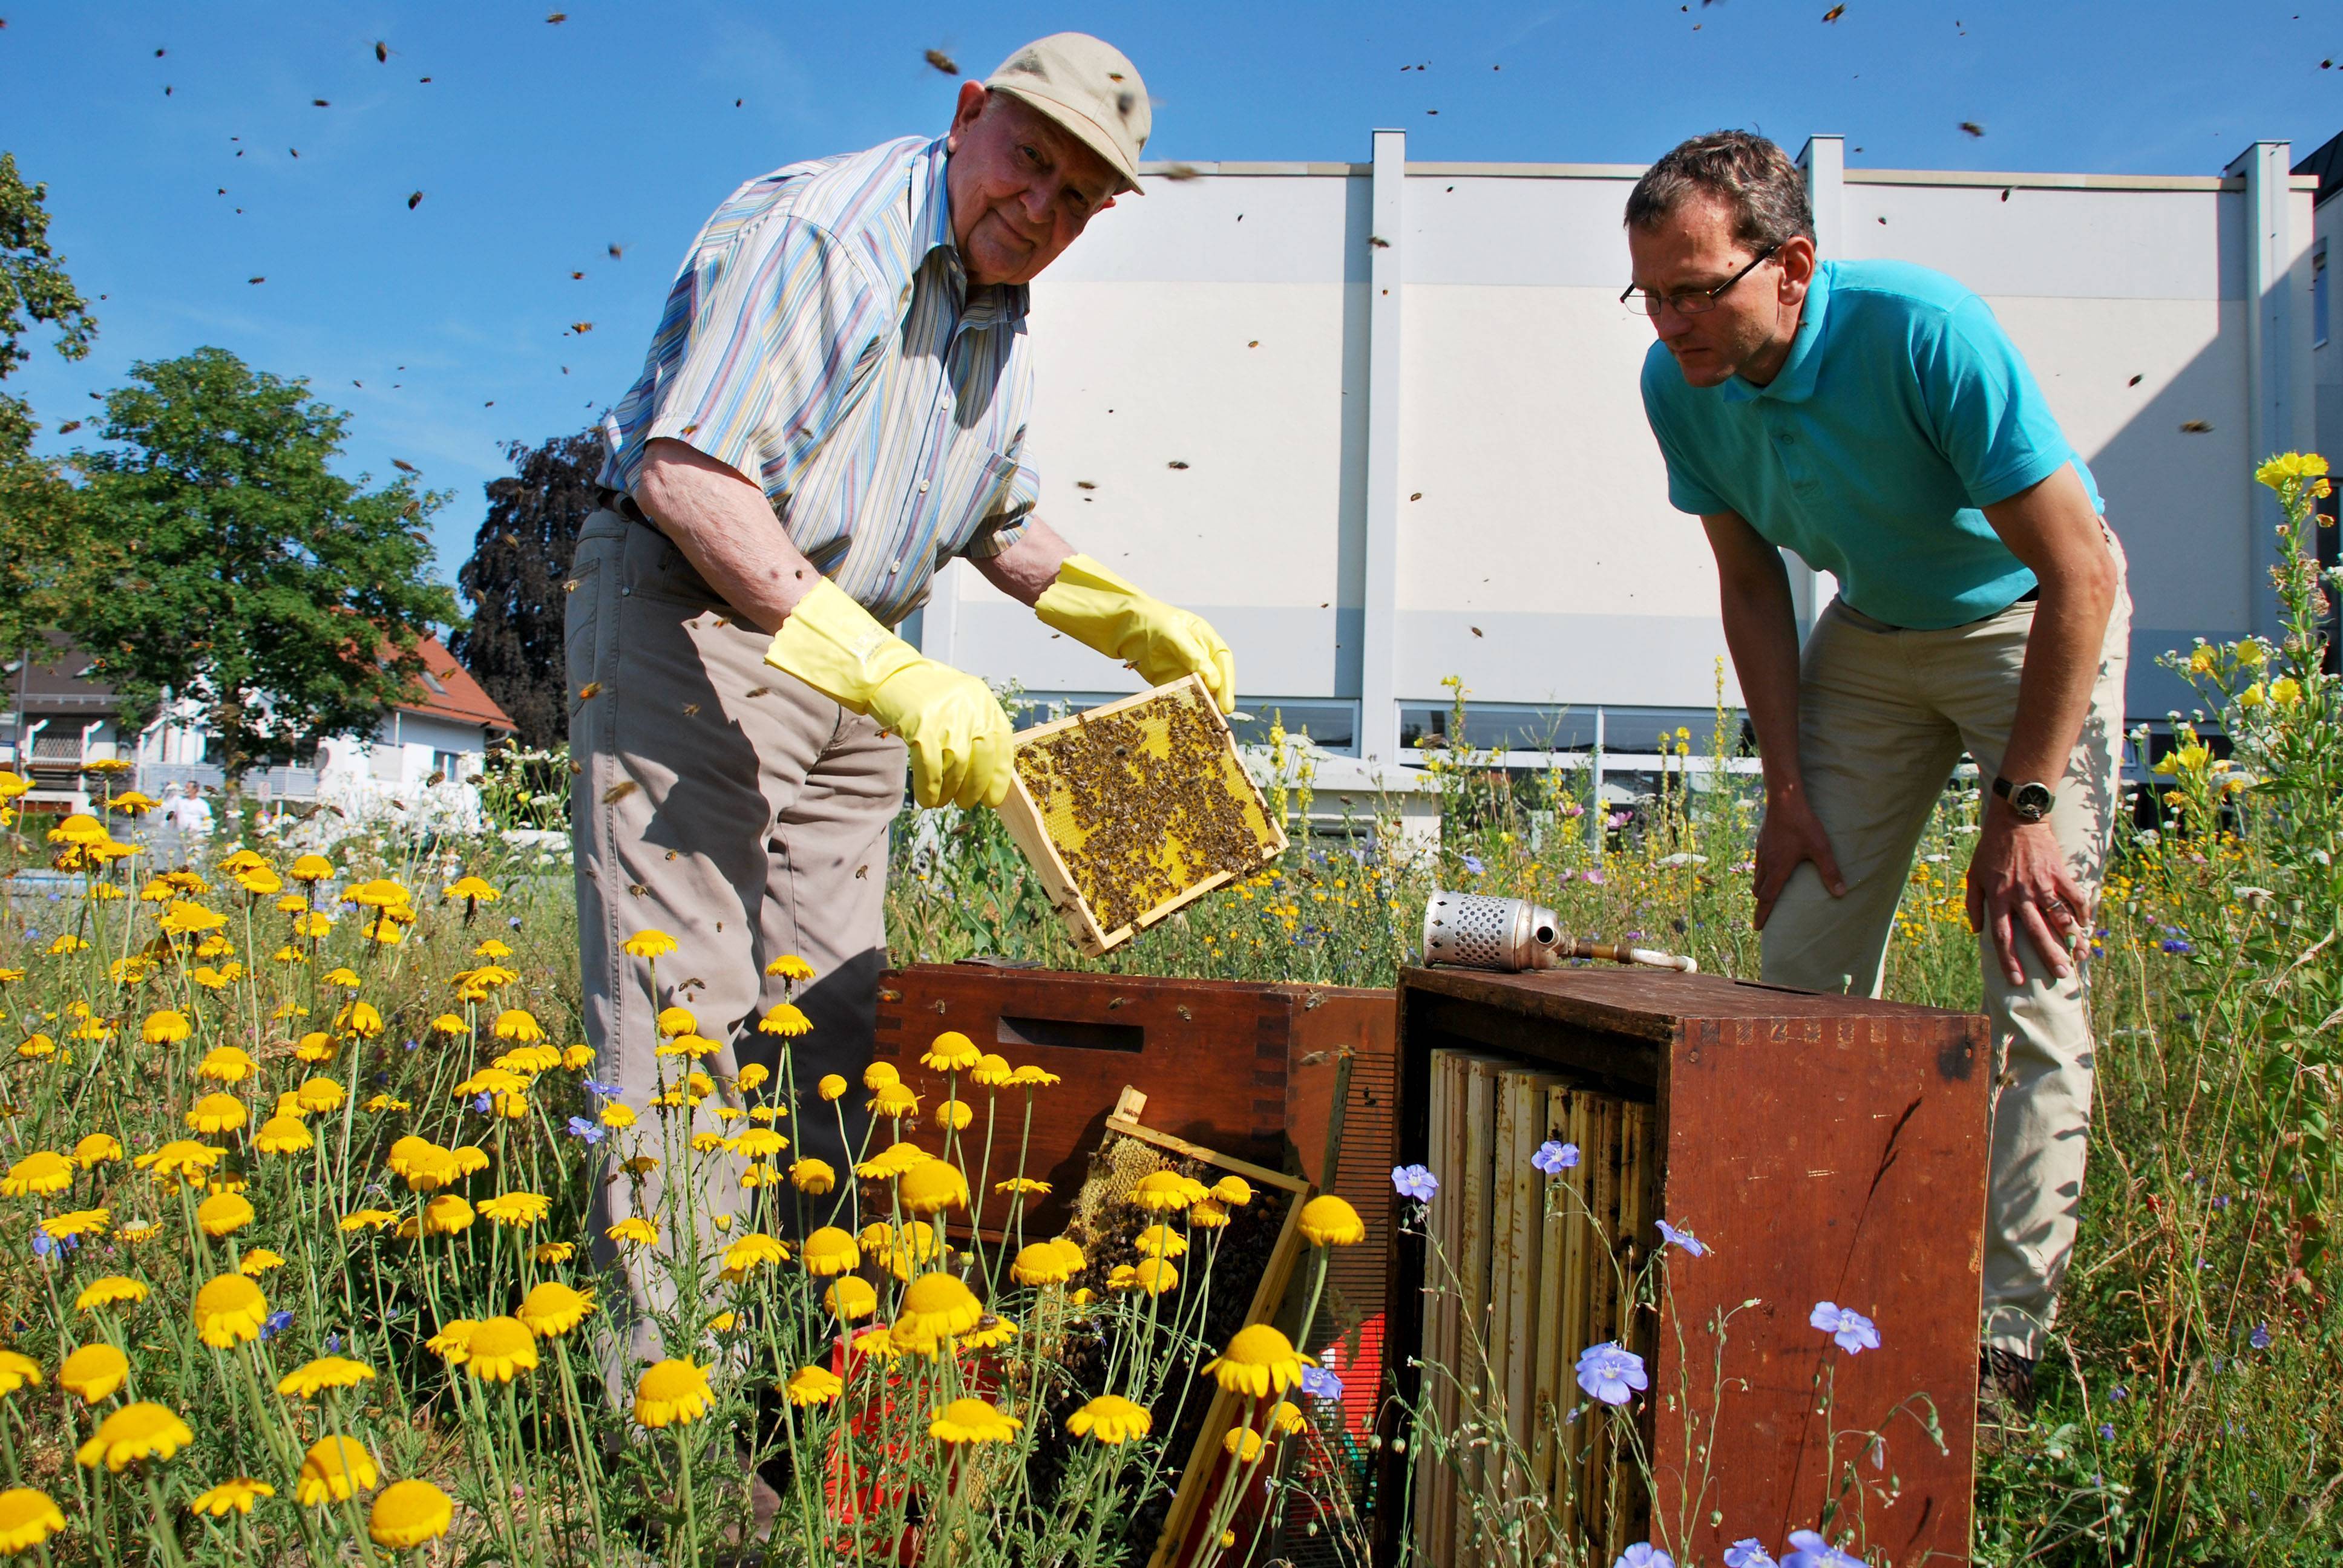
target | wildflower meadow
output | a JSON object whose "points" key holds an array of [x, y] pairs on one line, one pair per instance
{"points": [[297, 1144]]}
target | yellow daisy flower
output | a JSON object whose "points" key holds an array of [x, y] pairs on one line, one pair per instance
{"points": [[311, 1379], [408, 1513], [232, 1496], [552, 1309], [1258, 1362], [1111, 1418], [672, 1393], [135, 1432], [973, 1421], [93, 1372], [336, 1469]]}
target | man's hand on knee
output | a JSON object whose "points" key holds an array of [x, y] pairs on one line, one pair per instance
{"points": [[1790, 835], [2019, 886]]}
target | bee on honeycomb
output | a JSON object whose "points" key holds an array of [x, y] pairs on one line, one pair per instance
{"points": [[1144, 802]]}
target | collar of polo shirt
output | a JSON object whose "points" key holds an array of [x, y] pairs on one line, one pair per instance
{"points": [[1795, 383]]}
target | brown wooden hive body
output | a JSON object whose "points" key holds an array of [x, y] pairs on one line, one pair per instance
{"points": [[1826, 1148]]}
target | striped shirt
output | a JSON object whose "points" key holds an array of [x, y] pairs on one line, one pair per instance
{"points": [[822, 339]]}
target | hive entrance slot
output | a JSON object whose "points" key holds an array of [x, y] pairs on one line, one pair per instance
{"points": [[1070, 1034]]}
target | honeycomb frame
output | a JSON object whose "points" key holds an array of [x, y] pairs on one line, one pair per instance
{"points": [[1042, 804]]}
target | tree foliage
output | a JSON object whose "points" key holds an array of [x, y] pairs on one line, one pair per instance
{"points": [[34, 289], [253, 580], [48, 551], [515, 581]]}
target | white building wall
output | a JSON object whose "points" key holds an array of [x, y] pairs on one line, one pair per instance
{"points": [[1225, 323], [401, 754]]}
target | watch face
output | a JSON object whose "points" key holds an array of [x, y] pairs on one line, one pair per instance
{"points": [[2031, 801]]}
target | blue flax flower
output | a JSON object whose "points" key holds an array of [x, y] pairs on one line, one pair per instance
{"points": [[1808, 1550], [1415, 1182], [584, 1131], [1855, 1332], [1473, 864], [2106, 1432], [606, 1090], [2260, 1337], [1643, 1554], [1671, 1237], [1610, 1374], [275, 1323], [1748, 1552], [1319, 1383], [1554, 1157]]}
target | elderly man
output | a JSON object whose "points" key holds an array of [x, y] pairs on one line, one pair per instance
{"points": [[834, 406], [1872, 417]]}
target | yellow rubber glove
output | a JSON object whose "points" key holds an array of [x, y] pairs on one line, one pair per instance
{"points": [[958, 736], [1162, 641]]}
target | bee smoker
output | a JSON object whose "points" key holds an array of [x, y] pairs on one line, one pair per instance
{"points": [[1474, 930]]}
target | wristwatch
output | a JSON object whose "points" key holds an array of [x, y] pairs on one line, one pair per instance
{"points": [[2030, 803]]}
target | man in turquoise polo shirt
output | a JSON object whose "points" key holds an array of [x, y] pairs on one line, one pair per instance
{"points": [[1872, 417]]}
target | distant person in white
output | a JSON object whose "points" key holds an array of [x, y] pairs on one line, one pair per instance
{"points": [[189, 812]]}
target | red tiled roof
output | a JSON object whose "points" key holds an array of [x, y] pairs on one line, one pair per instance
{"points": [[463, 700]]}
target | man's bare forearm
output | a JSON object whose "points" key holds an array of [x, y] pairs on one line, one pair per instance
{"points": [[2054, 530], [1760, 631], [1025, 570], [726, 529]]}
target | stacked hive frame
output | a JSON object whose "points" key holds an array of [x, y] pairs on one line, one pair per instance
{"points": [[1536, 1270], [1826, 1148]]}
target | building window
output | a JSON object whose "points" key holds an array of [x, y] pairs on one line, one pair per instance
{"points": [[2319, 296], [432, 681], [448, 765]]}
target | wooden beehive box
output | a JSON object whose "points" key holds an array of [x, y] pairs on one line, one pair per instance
{"points": [[1823, 1147], [1243, 1067], [1130, 811]]}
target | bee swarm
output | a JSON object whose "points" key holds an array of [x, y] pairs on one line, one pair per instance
{"points": [[1143, 801]]}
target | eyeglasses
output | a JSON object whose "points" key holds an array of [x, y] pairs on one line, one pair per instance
{"points": [[1691, 301]]}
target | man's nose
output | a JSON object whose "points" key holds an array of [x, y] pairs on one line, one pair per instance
{"points": [[1670, 323]]}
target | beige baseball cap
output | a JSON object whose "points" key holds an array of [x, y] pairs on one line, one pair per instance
{"points": [[1089, 87]]}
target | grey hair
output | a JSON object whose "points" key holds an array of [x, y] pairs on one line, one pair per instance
{"points": [[1756, 179]]}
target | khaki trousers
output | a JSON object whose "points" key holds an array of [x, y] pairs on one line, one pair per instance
{"points": [[746, 815], [1883, 715]]}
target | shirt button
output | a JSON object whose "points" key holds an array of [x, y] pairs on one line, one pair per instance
{"points": [[896, 565], [923, 486]]}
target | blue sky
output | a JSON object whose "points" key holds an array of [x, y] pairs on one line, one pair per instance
{"points": [[445, 330]]}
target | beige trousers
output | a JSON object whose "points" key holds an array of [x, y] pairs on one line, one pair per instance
{"points": [[1883, 715], [746, 815]]}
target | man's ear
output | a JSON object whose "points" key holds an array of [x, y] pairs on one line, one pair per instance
{"points": [[1798, 260], [967, 110], [1102, 207]]}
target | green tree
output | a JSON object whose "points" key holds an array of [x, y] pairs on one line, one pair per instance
{"points": [[45, 550], [515, 581], [285, 599], [34, 287]]}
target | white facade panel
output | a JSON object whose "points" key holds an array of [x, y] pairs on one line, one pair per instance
{"points": [[1230, 323], [2087, 244]]}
